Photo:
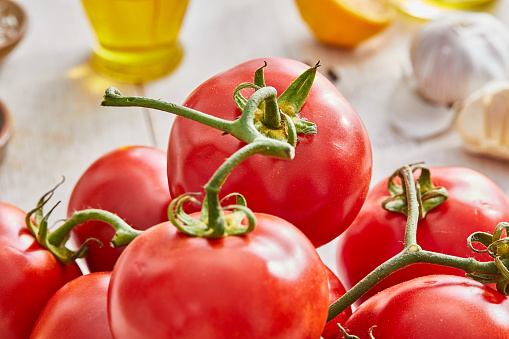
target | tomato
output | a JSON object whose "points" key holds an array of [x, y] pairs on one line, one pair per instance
{"points": [[438, 306], [336, 290], [30, 274], [269, 283], [320, 191], [475, 203], [77, 310], [130, 182]]}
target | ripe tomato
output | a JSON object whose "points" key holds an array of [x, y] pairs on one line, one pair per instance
{"points": [[30, 274], [336, 290], [475, 203], [77, 310], [269, 283], [320, 191], [429, 307], [130, 182]]}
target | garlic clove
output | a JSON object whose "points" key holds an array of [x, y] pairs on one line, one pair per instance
{"points": [[457, 54], [483, 120], [415, 117]]}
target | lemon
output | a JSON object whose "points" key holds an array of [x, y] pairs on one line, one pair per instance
{"points": [[346, 23]]}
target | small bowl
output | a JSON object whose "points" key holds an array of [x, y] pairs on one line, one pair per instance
{"points": [[5, 129], [13, 23]]}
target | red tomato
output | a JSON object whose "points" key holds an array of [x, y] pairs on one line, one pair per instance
{"points": [[320, 191], [336, 290], [30, 274], [475, 203], [269, 283], [77, 310], [130, 182], [433, 307]]}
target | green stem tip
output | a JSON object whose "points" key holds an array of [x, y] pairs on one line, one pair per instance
{"points": [[55, 241]]}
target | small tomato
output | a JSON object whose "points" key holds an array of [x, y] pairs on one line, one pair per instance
{"points": [[77, 310], [30, 274], [430, 307], [130, 182]]}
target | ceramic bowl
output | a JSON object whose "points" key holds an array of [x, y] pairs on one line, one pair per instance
{"points": [[13, 23], [5, 129]]}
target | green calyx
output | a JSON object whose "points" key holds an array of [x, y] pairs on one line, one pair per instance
{"points": [[226, 225], [213, 222], [497, 247], [428, 195], [55, 241], [272, 117]]}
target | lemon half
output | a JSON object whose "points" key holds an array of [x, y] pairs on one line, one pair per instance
{"points": [[346, 23]]}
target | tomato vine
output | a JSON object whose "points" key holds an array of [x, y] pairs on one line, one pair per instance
{"points": [[246, 128], [487, 272]]}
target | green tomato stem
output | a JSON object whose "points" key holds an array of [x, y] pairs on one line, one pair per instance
{"points": [[383, 271], [271, 116], [265, 146], [468, 265], [242, 128], [55, 241], [212, 223], [124, 233], [409, 256], [113, 97], [413, 207]]}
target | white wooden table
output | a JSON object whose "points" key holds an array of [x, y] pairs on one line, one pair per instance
{"points": [[60, 127]]}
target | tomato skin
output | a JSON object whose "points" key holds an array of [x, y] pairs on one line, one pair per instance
{"points": [[77, 310], [30, 274], [431, 307], [320, 191], [475, 203], [269, 283], [130, 182], [336, 290]]}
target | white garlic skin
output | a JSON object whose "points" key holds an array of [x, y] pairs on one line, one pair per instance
{"points": [[457, 54], [482, 120]]}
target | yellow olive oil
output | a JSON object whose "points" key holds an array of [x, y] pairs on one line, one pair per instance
{"points": [[137, 39]]}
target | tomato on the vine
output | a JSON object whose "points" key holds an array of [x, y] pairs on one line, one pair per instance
{"points": [[130, 182], [320, 191], [474, 203], [269, 283], [77, 310], [440, 306], [30, 274]]}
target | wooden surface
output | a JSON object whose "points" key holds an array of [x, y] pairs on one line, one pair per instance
{"points": [[60, 128]]}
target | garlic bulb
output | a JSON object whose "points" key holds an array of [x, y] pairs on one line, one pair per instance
{"points": [[482, 120], [457, 54]]}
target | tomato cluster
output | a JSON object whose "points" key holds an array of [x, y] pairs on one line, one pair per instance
{"points": [[269, 282], [474, 203]]}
